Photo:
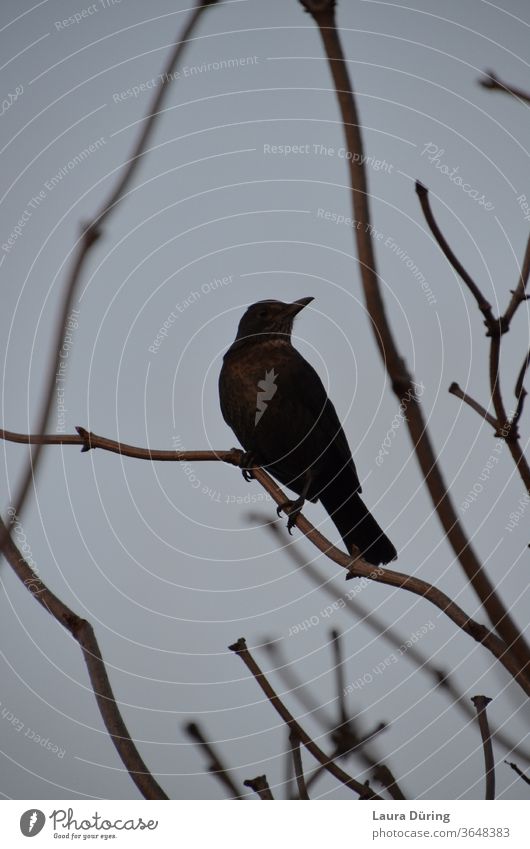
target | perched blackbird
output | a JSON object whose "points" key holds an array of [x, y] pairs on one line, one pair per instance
{"points": [[277, 406]]}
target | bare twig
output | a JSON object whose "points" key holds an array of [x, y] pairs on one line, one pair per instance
{"points": [[298, 766], [344, 736], [339, 672], [240, 648], [260, 785], [356, 567], [82, 632], [519, 391], [491, 81], [519, 295], [215, 766], [519, 771], [505, 427], [381, 772], [455, 389], [89, 235], [442, 678], [481, 703], [323, 13], [483, 305]]}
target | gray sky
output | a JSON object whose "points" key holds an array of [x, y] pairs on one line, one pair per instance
{"points": [[171, 564]]}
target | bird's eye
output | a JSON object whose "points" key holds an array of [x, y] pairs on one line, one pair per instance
{"points": [[262, 313]]}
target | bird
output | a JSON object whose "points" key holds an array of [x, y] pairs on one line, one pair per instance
{"points": [[278, 408]]}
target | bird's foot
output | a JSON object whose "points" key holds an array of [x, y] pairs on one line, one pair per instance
{"points": [[248, 460], [293, 510]]}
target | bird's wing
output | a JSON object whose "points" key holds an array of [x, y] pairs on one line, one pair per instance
{"points": [[307, 392]]}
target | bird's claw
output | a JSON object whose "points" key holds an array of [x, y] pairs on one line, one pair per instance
{"points": [[293, 510], [248, 460]]}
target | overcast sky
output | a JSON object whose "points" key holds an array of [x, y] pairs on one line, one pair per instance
{"points": [[243, 195]]}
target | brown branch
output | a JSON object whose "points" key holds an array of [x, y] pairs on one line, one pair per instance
{"points": [[88, 440], [442, 678], [491, 81], [339, 672], [323, 13], [519, 771], [298, 766], [240, 648], [483, 305], [481, 703], [520, 392], [381, 772], [215, 767], [496, 327], [519, 295], [345, 737], [82, 632], [260, 785], [89, 235], [455, 389], [356, 567]]}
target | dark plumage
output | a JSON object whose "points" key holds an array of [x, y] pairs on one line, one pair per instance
{"points": [[277, 406]]}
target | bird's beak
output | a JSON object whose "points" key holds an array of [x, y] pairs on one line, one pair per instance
{"points": [[298, 305]]}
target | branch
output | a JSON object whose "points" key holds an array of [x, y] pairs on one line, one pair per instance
{"points": [[520, 392], [345, 737], [519, 772], [480, 703], [455, 389], [82, 632], [519, 295], [89, 235], [298, 766], [504, 427], [483, 305], [493, 83], [323, 13], [240, 648], [381, 772], [356, 567], [442, 678], [260, 785], [215, 766]]}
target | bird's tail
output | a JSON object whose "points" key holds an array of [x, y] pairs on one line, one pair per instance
{"points": [[357, 526]]}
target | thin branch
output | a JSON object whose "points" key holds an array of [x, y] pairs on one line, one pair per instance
{"points": [[442, 678], [520, 392], [492, 82], [339, 672], [88, 440], [215, 767], [240, 648], [504, 427], [323, 13], [298, 766], [519, 771], [82, 632], [89, 235], [482, 303], [356, 567], [455, 389], [381, 772], [260, 785], [345, 737], [519, 295], [481, 703]]}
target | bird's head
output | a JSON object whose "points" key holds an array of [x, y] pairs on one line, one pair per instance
{"points": [[267, 318]]}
